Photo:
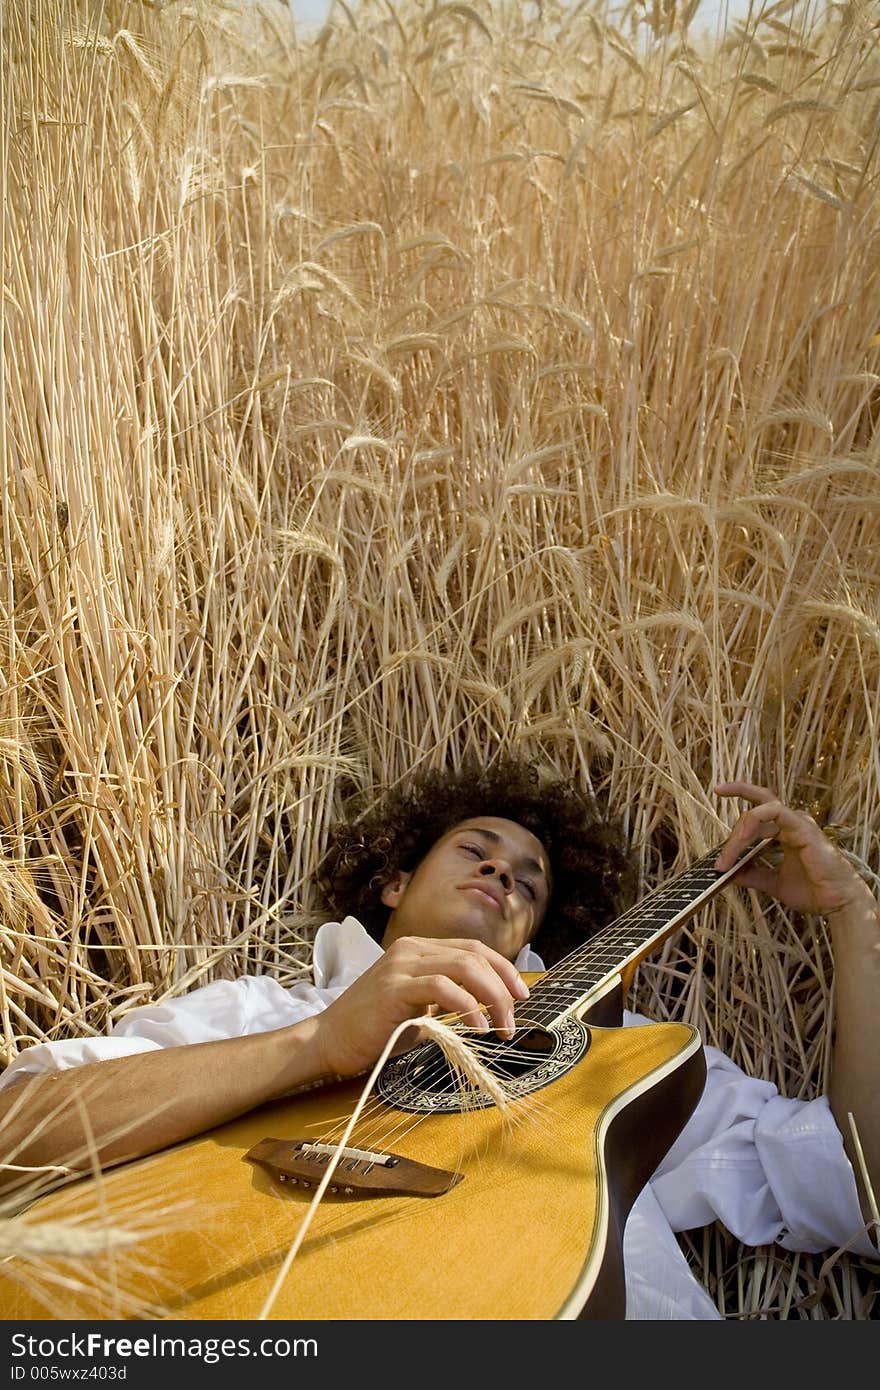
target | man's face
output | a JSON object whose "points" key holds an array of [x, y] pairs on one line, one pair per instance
{"points": [[487, 879]]}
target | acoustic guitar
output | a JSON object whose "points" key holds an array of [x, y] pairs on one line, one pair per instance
{"points": [[441, 1204]]}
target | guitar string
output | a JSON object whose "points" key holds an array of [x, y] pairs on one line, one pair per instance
{"points": [[678, 895], [437, 1077], [366, 1091], [541, 1111], [386, 1126], [438, 1071]]}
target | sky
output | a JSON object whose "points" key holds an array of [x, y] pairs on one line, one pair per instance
{"points": [[315, 11]]}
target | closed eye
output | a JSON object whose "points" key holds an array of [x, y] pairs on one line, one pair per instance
{"points": [[523, 882]]}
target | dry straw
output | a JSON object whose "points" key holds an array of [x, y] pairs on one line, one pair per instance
{"points": [[456, 378]]}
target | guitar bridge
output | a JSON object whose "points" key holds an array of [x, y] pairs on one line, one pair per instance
{"points": [[302, 1163]]}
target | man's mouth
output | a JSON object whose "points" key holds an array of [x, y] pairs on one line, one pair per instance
{"points": [[485, 895]]}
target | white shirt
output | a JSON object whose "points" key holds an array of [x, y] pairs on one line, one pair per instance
{"points": [[771, 1169]]}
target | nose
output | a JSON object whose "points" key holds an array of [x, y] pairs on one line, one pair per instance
{"points": [[498, 868]]}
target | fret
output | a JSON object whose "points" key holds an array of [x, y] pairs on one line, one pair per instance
{"points": [[581, 974]]}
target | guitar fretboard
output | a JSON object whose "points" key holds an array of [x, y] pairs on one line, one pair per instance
{"points": [[582, 974]]}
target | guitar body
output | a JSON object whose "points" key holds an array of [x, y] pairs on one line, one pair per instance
{"points": [[532, 1230]]}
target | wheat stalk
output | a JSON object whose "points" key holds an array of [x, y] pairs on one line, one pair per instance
{"points": [[461, 379]]}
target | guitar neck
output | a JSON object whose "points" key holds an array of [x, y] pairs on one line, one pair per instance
{"points": [[584, 975]]}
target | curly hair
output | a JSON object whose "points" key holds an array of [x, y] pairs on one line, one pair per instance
{"points": [[592, 874]]}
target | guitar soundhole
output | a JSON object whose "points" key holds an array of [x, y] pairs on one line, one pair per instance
{"points": [[423, 1081], [519, 1055]]}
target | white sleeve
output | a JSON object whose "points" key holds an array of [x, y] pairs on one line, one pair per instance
{"points": [[770, 1169], [223, 1009], [74, 1052], [660, 1285]]}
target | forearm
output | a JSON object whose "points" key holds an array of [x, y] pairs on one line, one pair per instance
{"points": [[128, 1107], [855, 1066], [131, 1106]]}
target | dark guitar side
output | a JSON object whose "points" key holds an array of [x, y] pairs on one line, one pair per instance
{"points": [[636, 1143]]}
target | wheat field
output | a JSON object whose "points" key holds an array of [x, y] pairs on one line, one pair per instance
{"points": [[454, 378]]}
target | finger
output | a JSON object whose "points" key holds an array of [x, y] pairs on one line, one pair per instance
{"points": [[447, 997], [742, 834], [750, 791], [479, 979], [758, 877], [426, 970], [454, 956], [464, 985], [514, 981], [765, 820]]}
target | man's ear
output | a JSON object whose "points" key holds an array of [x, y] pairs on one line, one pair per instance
{"points": [[395, 888]]}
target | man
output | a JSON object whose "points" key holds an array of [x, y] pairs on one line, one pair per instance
{"points": [[460, 877]]}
